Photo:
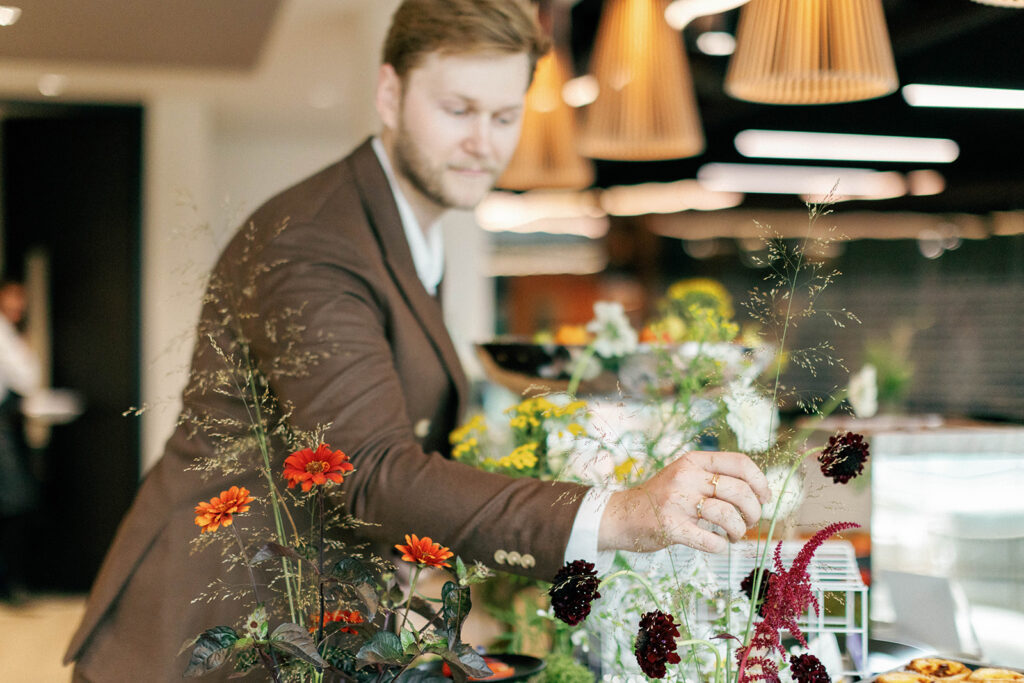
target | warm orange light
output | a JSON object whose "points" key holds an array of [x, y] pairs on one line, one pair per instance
{"points": [[546, 156], [811, 52], [645, 108]]}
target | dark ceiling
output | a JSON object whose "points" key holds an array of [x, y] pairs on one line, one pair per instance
{"points": [[947, 42]]}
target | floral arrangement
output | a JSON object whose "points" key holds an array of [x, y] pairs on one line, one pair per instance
{"points": [[700, 385], [349, 618]]}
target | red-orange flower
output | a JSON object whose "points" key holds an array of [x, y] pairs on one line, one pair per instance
{"points": [[424, 551], [218, 512], [342, 615], [309, 467]]}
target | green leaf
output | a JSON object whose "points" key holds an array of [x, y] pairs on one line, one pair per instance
{"points": [[408, 639], [465, 661], [359, 579], [384, 648], [421, 676], [456, 604], [296, 641], [460, 569], [211, 650]]}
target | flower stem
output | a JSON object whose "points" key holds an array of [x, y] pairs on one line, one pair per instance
{"points": [[320, 562], [578, 369], [408, 602]]}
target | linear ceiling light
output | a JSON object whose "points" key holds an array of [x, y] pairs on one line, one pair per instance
{"points": [[786, 144], [922, 95], [9, 15], [816, 181]]}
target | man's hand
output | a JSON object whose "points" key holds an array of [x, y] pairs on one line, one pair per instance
{"points": [[663, 511]]}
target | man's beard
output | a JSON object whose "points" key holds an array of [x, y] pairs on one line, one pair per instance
{"points": [[427, 179]]}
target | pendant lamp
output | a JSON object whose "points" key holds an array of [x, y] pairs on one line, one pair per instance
{"points": [[646, 108], [811, 52], [546, 157]]}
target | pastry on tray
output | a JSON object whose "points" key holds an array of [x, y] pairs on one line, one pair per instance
{"points": [[904, 677], [939, 669], [990, 674]]}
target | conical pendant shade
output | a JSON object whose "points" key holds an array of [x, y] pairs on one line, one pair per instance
{"points": [[811, 52], [546, 156], [646, 108]]}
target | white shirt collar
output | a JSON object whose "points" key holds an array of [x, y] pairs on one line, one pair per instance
{"points": [[427, 248]]}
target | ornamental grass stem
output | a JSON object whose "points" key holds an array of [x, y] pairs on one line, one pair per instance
{"points": [[412, 592], [320, 563]]}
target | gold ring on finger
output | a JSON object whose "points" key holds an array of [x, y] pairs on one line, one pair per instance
{"points": [[700, 508], [714, 486]]}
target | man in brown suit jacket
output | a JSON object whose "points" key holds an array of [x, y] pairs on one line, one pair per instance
{"points": [[322, 292]]}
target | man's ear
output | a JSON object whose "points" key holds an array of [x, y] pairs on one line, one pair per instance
{"points": [[389, 96]]}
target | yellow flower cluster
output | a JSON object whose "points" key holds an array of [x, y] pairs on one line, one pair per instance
{"points": [[466, 439], [704, 292], [522, 458]]}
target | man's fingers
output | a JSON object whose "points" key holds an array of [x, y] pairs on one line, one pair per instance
{"points": [[738, 466], [702, 539], [724, 515], [738, 493]]}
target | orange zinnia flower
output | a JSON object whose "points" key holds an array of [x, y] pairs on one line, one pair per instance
{"points": [[309, 467], [424, 551], [218, 512], [342, 615]]}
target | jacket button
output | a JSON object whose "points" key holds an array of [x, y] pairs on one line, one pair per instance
{"points": [[528, 560], [514, 558], [422, 428], [500, 556]]}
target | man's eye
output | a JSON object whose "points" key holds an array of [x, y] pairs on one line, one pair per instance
{"points": [[507, 119], [457, 111]]}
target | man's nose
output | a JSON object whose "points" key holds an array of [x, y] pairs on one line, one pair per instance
{"points": [[478, 139]]}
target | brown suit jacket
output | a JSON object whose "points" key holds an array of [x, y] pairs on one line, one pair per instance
{"points": [[321, 286]]}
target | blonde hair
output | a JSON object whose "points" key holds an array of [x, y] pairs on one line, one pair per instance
{"points": [[453, 27]]}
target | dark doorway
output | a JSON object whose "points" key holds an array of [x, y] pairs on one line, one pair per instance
{"points": [[72, 191]]}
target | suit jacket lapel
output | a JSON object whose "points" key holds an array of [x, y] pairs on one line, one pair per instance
{"points": [[379, 204]]}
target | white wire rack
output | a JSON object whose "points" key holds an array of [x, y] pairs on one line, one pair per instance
{"points": [[835, 580]]}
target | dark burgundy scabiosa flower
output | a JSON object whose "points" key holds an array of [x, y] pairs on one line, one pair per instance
{"points": [[808, 669], [747, 586], [572, 591], [844, 457], [656, 643]]}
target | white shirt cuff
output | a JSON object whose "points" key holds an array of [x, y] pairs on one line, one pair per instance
{"points": [[585, 531]]}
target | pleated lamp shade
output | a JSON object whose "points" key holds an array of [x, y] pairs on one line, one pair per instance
{"points": [[1003, 3], [546, 156], [646, 108], [811, 52]]}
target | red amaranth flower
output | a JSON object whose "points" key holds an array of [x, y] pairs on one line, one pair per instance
{"points": [[309, 467], [218, 512], [572, 591], [747, 586], [789, 597], [808, 669], [424, 551], [656, 643], [844, 457]]}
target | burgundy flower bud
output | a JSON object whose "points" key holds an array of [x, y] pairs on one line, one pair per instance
{"points": [[656, 643], [574, 588]]}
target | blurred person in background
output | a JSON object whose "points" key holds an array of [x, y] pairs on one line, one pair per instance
{"points": [[19, 490]]}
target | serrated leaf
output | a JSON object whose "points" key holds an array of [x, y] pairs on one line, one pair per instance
{"points": [[455, 608], [212, 648], [422, 608], [384, 648], [296, 641]]}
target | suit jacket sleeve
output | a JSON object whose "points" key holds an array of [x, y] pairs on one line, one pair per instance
{"points": [[358, 339]]}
